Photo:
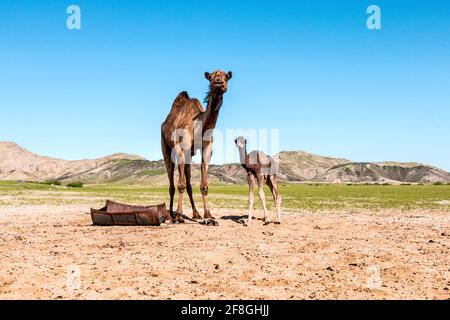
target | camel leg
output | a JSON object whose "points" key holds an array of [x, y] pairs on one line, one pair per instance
{"points": [[273, 185], [251, 198], [170, 168], [170, 173], [187, 171], [262, 197], [181, 182], [204, 190], [206, 157]]}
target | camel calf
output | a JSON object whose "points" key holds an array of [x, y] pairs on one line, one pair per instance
{"points": [[263, 168]]}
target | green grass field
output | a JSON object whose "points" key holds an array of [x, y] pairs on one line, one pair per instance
{"points": [[295, 196]]}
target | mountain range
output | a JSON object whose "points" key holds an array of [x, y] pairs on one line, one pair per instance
{"points": [[17, 163]]}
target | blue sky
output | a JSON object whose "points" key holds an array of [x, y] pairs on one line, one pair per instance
{"points": [[309, 68]]}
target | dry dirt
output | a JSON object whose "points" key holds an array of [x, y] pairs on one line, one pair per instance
{"points": [[53, 252]]}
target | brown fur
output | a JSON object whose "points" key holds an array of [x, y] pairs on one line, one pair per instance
{"points": [[184, 112], [263, 168]]}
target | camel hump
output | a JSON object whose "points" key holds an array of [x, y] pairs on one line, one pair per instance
{"points": [[183, 94], [198, 106], [180, 100], [260, 158], [264, 159]]}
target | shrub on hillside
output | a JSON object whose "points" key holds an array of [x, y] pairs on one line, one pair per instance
{"points": [[52, 183], [76, 184]]}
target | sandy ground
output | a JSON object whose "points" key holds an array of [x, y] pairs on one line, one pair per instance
{"points": [[53, 252]]}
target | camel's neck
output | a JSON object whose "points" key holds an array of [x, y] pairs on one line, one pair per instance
{"points": [[212, 111], [243, 156]]}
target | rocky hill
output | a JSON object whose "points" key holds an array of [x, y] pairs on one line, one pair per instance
{"points": [[384, 172], [304, 166], [17, 163]]}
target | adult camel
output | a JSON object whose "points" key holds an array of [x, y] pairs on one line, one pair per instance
{"points": [[188, 128]]}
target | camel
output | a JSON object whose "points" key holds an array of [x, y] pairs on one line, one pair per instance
{"points": [[188, 117], [263, 168]]}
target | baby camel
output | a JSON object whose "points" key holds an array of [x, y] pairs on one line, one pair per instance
{"points": [[262, 167]]}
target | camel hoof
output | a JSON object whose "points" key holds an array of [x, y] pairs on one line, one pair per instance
{"points": [[266, 223], [209, 222], [208, 215], [179, 218], [277, 222], [196, 216]]}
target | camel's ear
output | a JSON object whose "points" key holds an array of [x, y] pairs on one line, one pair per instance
{"points": [[230, 75], [207, 75], [235, 141]]}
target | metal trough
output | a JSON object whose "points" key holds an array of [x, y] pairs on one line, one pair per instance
{"points": [[119, 214]]}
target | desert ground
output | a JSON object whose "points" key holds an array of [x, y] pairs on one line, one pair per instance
{"points": [[345, 242]]}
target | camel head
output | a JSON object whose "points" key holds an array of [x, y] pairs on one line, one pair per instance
{"points": [[218, 81], [240, 142]]}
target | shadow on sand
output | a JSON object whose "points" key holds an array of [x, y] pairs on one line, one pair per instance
{"points": [[239, 219], [235, 218]]}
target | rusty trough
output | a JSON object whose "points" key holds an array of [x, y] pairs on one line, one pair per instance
{"points": [[114, 213]]}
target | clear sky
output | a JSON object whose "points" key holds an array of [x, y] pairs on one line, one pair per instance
{"points": [[309, 68]]}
